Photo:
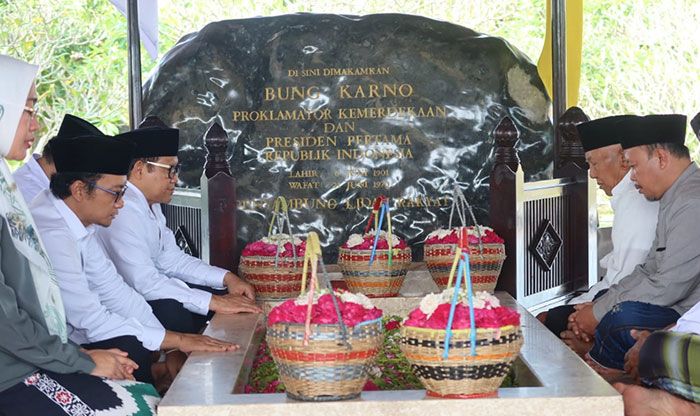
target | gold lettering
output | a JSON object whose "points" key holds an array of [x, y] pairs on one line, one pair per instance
{"points": [[287, 93], [281, 115], [312, 203], [376, 91], [386, 154], [303, 185], [328, 72], [368, 139], [301, 141], [357, 203], [339, 127], [296, 155], [304, 174], [387, 112]]}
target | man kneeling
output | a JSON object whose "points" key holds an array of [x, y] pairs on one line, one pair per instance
{"points": [[665, 285], [633, 228], [180, 288]]}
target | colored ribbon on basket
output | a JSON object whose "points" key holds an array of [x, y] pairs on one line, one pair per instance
{"points": [[280, 212], [312, 257], [470, 300], [384, 210], [462, 245], [313, 251], [461, 265], [373, 216]]}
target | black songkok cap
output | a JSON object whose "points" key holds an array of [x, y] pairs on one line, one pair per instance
{"points": [[73, 126], [92, 154], [600, 132], [657, 128], [153, 141], [695, 125]]}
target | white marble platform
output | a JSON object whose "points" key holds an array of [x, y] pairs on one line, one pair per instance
{"points": [[554, 381]]}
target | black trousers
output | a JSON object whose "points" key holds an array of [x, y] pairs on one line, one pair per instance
{"points": [[558, 318], [175, 317], [137, 352]]}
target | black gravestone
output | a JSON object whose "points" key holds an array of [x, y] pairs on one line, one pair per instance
{"points": [[331, 111]]}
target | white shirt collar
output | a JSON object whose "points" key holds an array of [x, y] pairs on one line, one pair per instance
{"points": [[624, 185], [135, 193], [36, 170], [75, 226], [135, 196]]}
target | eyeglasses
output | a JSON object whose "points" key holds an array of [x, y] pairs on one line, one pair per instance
{"points": [[172, 170], [117, 194], [33, 112]]}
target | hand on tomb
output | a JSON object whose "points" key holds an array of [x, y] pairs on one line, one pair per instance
{"points": [[632, 356], [112, 363], [237, 286], [233, 303], [583, 322], [195, 342], [578, 345]]}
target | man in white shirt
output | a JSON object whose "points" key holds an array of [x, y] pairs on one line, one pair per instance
{"points": [[633, 226], [175, 284], [33, 176], [101, 310]]}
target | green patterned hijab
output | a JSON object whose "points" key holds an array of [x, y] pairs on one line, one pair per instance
{"points": [[16, 78]]}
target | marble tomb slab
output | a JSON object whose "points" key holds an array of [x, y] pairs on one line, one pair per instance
{"points": [[554, 380]]}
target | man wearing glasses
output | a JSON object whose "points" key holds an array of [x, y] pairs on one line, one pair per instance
{"points": [[176, 285], [102, 311]]}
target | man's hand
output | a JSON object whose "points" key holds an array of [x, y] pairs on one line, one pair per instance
{"points": [[236, 286], [196, 342], [632, 356], [233, 303], [583, 322], [112, 363]]}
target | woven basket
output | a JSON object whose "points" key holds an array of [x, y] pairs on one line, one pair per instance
{"points": [[378, 279], [461, 375], [272, 282], [325, 369], [485, 266]]}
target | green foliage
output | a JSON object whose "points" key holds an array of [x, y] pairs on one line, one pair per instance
{"points": [[79, 47]]}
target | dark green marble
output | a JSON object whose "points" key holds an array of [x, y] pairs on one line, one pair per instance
{"points": [[475, 78]]}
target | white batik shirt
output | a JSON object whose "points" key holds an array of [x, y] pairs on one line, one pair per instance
{"points": [[99, 304], [146, 254], [633, 233]]}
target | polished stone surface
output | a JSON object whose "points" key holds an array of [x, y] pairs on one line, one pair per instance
{"points": [[363, 72], [562, 382]]}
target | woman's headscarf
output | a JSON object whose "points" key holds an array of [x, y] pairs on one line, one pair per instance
{"points": [[16, 79]]}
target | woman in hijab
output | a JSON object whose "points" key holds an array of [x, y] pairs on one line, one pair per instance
{"points": [[43, 373]]}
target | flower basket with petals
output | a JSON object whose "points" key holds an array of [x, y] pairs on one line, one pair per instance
{"points": [[274, 263], [375, 263], [461, 344], [324, 342], [485, 261], [487, 249]]}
